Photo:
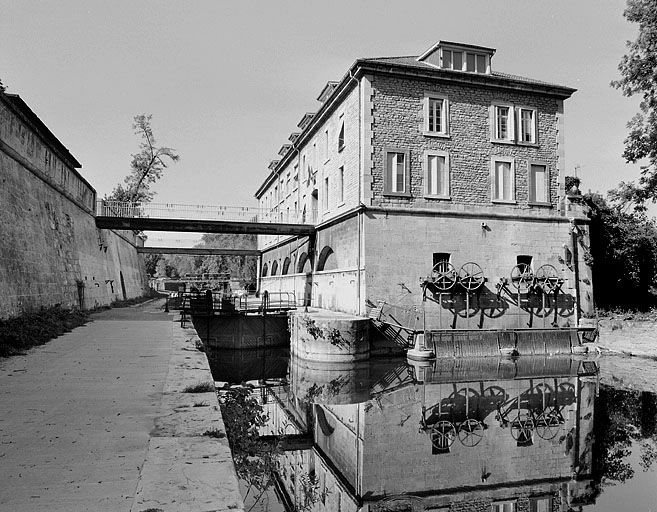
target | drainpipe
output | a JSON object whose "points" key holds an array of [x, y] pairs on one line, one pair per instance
{"points": [[573, 231]]}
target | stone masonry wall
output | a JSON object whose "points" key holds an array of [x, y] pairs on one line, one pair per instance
{"points": [[398, 123], [399, 251], [50, 249], [336, 286]]}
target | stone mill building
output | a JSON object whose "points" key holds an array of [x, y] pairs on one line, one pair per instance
{"points": [[434, 182]]}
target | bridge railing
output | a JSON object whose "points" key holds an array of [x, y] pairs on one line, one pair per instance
{"points": [[201, 212]]}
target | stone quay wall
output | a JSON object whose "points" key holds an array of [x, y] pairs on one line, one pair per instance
{"points": [[50, 249]]}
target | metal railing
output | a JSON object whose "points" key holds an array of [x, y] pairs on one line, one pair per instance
{"points": [[123, 209], [216, 302]]}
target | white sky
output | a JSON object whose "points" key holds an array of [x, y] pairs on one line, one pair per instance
{"points": [[228, 81]]}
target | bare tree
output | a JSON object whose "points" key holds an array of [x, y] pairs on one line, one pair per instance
{"points": [[146, 166]]}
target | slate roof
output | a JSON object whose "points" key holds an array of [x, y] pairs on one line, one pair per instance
{"points": [[411, 62]]}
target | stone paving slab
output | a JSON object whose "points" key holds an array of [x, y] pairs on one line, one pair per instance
{"points": [[85, 418]]}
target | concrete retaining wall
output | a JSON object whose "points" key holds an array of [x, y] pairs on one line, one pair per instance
{"points": [[322, 335]]}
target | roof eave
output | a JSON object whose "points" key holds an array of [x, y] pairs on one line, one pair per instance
{"points": [[481, 79], [341, 88]]}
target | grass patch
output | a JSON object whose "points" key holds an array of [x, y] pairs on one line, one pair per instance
{"points": [[629, 314], [214, 432], [200, 387], [150, 294], [34, 328]]}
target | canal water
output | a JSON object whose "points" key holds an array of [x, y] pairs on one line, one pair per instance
{"points": [[535, 434]]}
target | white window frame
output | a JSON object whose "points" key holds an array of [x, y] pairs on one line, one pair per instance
{"points": [[504, 506], [534, 501], [325, 202], [532, 199], [428, 182], [495, 135], [493, 175], [341, 185], [430, 100], [389, 181], [341, 142], [533, 138]]}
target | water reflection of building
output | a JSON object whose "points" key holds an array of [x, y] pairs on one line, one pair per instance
{"points": [[477, 434]]}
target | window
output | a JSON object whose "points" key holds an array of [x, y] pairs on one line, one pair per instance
{"points": [[341, 137], [274, 268], [453, 60], [326, 194], [540, 504], [503, 123], [524, 260], [397, 176], [440, 257], [474, 62], [538, 184], [436, 174], [341, 185], [326, 145], [503, 506], [286, 266], [436, 116], [503, 178], [527, 125]]}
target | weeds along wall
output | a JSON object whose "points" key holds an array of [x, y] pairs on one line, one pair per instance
{"points": [[50, 249]]}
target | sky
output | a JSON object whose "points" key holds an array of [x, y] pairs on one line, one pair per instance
{"points": [[227, 81]]}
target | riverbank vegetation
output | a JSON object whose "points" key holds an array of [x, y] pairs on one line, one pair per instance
{"points": [[623, 235], [38, 326], [623, 255], [242, 268]]}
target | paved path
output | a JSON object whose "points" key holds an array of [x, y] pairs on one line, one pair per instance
{"points": [[85, 419]]}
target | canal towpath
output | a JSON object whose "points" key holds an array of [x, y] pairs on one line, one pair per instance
{"points": [[98, 419]]}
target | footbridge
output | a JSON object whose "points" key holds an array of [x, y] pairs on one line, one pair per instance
{"points": [[201, 219], [197, 251]]}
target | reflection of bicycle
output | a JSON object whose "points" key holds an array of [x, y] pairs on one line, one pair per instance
{"points": [[444, 427], [524, 419], [548, 421]]}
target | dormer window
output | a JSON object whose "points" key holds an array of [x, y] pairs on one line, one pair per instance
{"points": [[459, 57], [464, 61]]}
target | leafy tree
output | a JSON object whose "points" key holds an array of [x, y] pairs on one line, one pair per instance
{"points": [[146, 166], [151, 261], [638, 70], [623, 255], [3, 87]]}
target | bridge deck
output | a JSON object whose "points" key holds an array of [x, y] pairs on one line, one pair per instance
{"points": [[203, 226], [202, 219], [199, 251]]}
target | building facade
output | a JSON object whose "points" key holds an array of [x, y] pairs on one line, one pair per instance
{"points": [[437, 184]]}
